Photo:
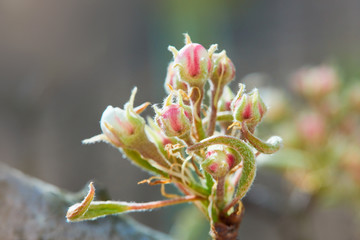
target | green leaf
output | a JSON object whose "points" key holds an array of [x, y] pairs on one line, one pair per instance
{"points": [[102, 208], [89, 209]]}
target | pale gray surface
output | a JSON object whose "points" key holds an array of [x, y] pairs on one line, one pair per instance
{"points": [[31, 209]]}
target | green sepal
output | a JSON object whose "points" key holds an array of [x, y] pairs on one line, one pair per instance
{"points": [[209, 181]]}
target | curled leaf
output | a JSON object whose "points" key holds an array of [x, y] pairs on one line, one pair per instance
{"points": [[77, 210], [249, 167], [272, 145]]}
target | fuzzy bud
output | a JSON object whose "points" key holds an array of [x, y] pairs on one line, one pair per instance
{"points": [[248, 108], [173, 80], [122, 127], [223, 69], [174, 118], [220, 160], [193, 63]]}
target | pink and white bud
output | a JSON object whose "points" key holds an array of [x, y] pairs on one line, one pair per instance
{"points": [[220, 160], [172, 79], [223, 69], [115, 118], [122, 127], [315, 82], [174, 120], [248, 108], [193, 63]]}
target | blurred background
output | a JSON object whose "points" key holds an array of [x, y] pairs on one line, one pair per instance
{"points": [[63, 62]]}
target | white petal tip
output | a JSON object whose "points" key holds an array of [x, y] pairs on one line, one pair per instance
{"points": [[95, 139]]}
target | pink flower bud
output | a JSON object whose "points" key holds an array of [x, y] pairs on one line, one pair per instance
{"points": [[174, 120], [173, 80], [223, 69], [193, 63], [315, 82], [248, 108], [220, 160]]}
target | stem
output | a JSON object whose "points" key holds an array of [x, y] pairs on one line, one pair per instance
{"points": [[196, 97], [187, 139], [163, 203], [220, 192], [227, 227], [216, 92], [199, 204], [231, 204]]}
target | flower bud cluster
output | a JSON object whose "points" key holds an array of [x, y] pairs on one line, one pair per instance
{"points": [[188, 129]]}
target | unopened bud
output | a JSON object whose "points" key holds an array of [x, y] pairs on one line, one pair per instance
{"points": [[248, 108], [172, 79], [193, 63], [174, 118], [122, 127], [223, 69], [220, 160]]}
